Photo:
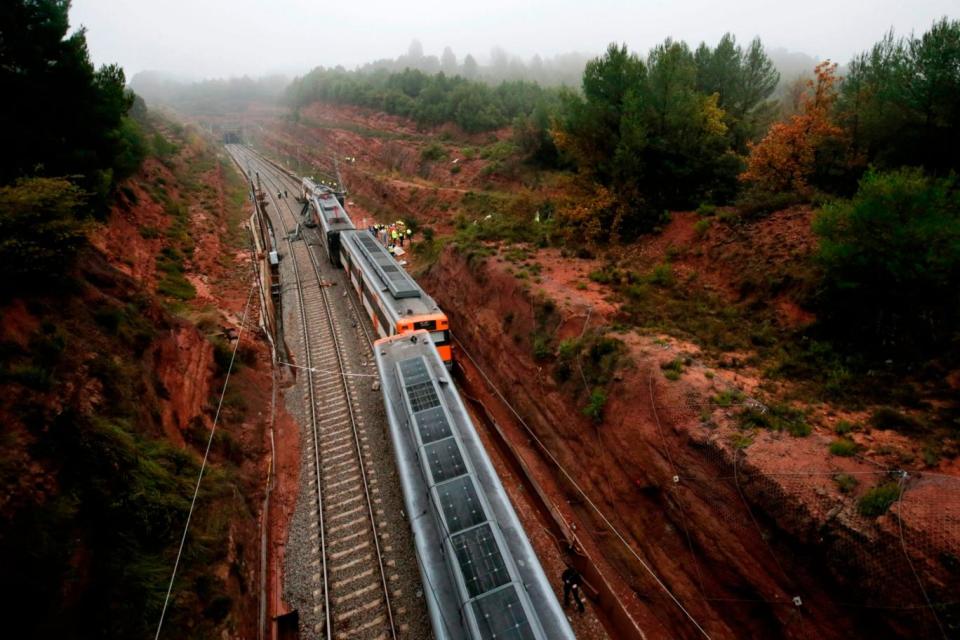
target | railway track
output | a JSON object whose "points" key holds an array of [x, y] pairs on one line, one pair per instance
{"points": [[353, 594]]}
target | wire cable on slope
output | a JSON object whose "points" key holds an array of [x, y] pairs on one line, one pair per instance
{"points": [[203, 465], [903, 543]]}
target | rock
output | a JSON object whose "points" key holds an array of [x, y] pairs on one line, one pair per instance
{"points": [[375, 386]]}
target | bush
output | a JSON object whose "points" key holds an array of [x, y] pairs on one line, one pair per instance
{"points": [[672, 370], [844, 427], [891, 260], [433, 152], [594, 408], [728, 398], [755, 203], [845, 482], [890, 419], [606, 275], [706, 209], [877, 500], [662, 275], [777, 417], [701, 227], [41, 230], [843, 447]]}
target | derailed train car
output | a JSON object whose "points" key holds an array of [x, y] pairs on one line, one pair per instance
{"points": [[394, 301], [327, 213], [482, 578]]}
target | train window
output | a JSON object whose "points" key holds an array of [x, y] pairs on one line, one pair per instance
{"points": [[461, 507], [444, 459], [438, 337], [501, 615], [480, 560]]}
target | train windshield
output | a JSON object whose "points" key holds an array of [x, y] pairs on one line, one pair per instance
{"points": [[439, 337]]}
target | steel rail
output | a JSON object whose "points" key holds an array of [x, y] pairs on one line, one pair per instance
{"points": [[343, 385]]}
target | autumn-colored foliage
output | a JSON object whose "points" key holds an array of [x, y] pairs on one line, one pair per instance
{"points": [[786, 157]]}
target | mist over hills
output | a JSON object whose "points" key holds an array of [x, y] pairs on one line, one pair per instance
{"points": [[499, 65]]}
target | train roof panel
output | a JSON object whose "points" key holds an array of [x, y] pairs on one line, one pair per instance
{"points": [[462, 508], [501, 615], [444, 459], [481, 563], [432, 424], [399, 282]]}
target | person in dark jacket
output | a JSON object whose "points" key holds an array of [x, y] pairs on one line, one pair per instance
{"points": [[572, 584]]}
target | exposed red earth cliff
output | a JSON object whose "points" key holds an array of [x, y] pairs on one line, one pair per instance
{"points": [[128, 346], [733, 535]]}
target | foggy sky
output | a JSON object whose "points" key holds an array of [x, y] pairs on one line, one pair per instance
{"points": [[218, 38]]}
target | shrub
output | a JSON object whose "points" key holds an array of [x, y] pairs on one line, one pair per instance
{"points": [[845, 482], [706, 209], [662, 275], [892, 420], [843, 447], [728, 398], [433, 152], [755, 203], [844, 427], [41, 230], [877, 500], [701, 227], [672, 370], [541, 346], [606, 275], [777, 417], [594, 408]]}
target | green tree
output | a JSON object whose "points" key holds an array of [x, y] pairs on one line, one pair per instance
{"points": [[649, 134], [891, 258], [42, 70], [900, 102], [743, 82]]}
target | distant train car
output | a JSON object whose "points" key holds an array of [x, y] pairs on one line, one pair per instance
{"points": [[394, 301], [481, 577], [327, 212]]}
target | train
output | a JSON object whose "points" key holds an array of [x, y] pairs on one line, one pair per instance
{"points": [[393, 300], [482, 578]]}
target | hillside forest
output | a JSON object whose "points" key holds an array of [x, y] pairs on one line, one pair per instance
{"points": [[875, 149]]}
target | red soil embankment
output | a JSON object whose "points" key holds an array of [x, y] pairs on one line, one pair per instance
{"points": [[730, 533]]}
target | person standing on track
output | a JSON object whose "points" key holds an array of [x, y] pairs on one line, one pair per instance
{"points": [[572, 582]]}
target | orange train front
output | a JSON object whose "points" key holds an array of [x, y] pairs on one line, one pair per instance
{"points": [[394, 301]]}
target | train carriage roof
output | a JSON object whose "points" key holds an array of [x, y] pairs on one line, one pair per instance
{"points": [[402, 295], [333, 216], [503, 592]]}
